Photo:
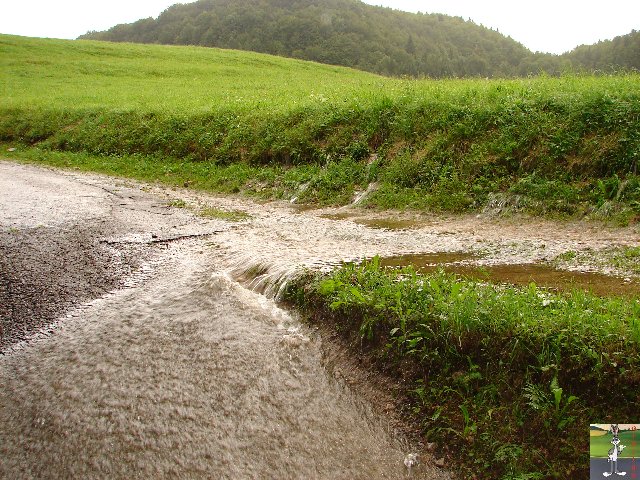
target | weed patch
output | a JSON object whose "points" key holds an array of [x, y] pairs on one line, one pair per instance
{"points": [[508, 376], [228, 215]]}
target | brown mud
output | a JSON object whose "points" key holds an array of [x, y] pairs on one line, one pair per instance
{"points": [[542, 275]]}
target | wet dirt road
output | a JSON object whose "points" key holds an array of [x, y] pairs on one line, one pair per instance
{"points": [[171, 368], [137, 343]]}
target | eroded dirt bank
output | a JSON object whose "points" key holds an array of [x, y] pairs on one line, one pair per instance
{"points": [[135, 347]]}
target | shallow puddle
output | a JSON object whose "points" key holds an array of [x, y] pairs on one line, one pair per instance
{"points": [[379, 223], [391, 224], [426, 261], [542, 275], [302, 207], [549, 277], [337, 216]]}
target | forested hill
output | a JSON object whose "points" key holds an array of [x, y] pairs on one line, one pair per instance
{"points": [[340, 32], [621, 52], [374, 39]]}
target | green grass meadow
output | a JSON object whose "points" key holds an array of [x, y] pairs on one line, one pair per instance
{"points": [[83, 75], [565, 146], [600, 445]]}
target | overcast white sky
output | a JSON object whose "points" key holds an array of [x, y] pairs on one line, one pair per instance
{"points": [[552, 26]]}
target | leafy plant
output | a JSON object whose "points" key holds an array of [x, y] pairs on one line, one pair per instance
{"points": [[551, 404], [469, 427], [561, 407]]}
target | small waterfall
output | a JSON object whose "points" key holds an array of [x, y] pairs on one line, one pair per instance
{"points": [[271, 279], [501, 203], [301, 189], [361, 196]]}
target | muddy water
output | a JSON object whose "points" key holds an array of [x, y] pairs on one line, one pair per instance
{"points": [[186, 373], [190, 376], [542, 275], [426, 261], [390, 224], [549, 277], [379, 223]]}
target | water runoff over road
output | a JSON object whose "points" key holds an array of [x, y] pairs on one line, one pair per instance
{"points": [[182, 369], [184, 366]]}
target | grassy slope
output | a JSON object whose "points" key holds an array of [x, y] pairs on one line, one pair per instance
{"points": [[567, 145], [507, 378], [82, 75]]}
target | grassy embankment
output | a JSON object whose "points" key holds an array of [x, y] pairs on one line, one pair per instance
{"points": [[498, 367], [242, 122], [508, 379]]}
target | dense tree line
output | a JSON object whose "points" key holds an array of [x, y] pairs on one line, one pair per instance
{"points": [[343, 32], [620, 53]]}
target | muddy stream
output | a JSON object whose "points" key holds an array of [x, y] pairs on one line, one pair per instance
{"points": [[141, 339]]}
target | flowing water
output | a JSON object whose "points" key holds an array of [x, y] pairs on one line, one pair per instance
{"points": [[191, 370], [189, 376]]}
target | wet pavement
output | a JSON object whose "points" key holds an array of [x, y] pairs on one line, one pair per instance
{"points": [[182, 365]]}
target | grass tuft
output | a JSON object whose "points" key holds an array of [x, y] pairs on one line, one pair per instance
{"points": [[227, 215]]}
